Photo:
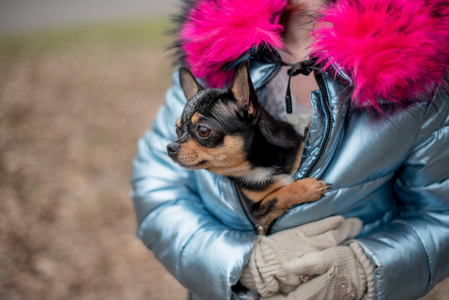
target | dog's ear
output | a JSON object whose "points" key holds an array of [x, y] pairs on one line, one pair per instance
{"points": [[188, 83], [243, 90]]}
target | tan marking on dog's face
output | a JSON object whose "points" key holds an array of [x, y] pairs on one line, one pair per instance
{"points": [[227, 159], [195, 118], [178, 122]]}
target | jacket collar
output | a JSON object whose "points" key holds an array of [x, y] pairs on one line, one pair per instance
{"points": [[392, 51]]}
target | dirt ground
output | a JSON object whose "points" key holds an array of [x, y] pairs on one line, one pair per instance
{"points": [[72, 106]]}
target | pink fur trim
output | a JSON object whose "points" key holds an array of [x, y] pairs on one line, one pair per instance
{"points": [[218, 32], [395, 50]]}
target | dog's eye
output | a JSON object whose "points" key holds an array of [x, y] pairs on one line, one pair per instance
{"points": [[178, 132], [203, 131]]}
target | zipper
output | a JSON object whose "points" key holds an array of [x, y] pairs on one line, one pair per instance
{"points": [[322, 86], [273, 74], [327, 133], [320, 80], [272, 56], [244, 204], [229, 65]]}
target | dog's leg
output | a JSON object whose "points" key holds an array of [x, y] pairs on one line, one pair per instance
{"points": [[277, 202]]}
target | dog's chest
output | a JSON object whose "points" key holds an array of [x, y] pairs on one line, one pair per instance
{"points": [[259, 175]]}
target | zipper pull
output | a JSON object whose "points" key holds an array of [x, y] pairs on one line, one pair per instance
{"points": [[288, 97], [303, 67]]}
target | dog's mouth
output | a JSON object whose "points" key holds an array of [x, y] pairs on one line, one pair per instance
{"points": [[192, 166], [188, 161]]}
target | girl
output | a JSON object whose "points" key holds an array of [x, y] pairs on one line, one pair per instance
{"points": [[376, 106]]}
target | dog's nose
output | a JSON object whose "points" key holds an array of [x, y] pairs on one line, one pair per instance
{"points": [[172, 148]]}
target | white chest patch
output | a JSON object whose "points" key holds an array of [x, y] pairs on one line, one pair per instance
{"points": [[286, 179], [257, 175]]}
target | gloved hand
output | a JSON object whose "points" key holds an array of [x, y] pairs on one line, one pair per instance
{"points": [[271, 268], [338, 273]]}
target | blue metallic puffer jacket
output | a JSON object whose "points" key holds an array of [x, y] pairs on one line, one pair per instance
{"points": [[389, 169]]}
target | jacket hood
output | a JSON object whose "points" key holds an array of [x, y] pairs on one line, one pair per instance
{"points": [[213, 33], [393, 50]]}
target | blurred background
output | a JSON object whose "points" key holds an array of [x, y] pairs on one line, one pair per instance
{"points": [[80, 81]]}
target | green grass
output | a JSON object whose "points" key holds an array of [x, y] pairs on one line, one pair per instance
{"points": [[150, 31]]}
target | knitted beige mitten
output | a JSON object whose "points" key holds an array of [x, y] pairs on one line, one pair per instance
{"points": [[269, 270], [337, 273]]}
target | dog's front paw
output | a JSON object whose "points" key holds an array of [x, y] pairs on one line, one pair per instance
{"points": [[313, 189]]}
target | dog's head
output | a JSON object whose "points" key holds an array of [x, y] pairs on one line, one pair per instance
{"points": [[216, 125]]}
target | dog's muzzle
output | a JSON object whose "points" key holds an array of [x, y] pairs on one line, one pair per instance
{"points": [[173, 149]]}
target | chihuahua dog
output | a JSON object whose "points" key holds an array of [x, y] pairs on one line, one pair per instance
{"points": [[228, 133]]}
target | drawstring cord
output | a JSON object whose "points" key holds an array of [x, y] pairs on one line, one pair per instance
{"points": [[303, 67]]}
